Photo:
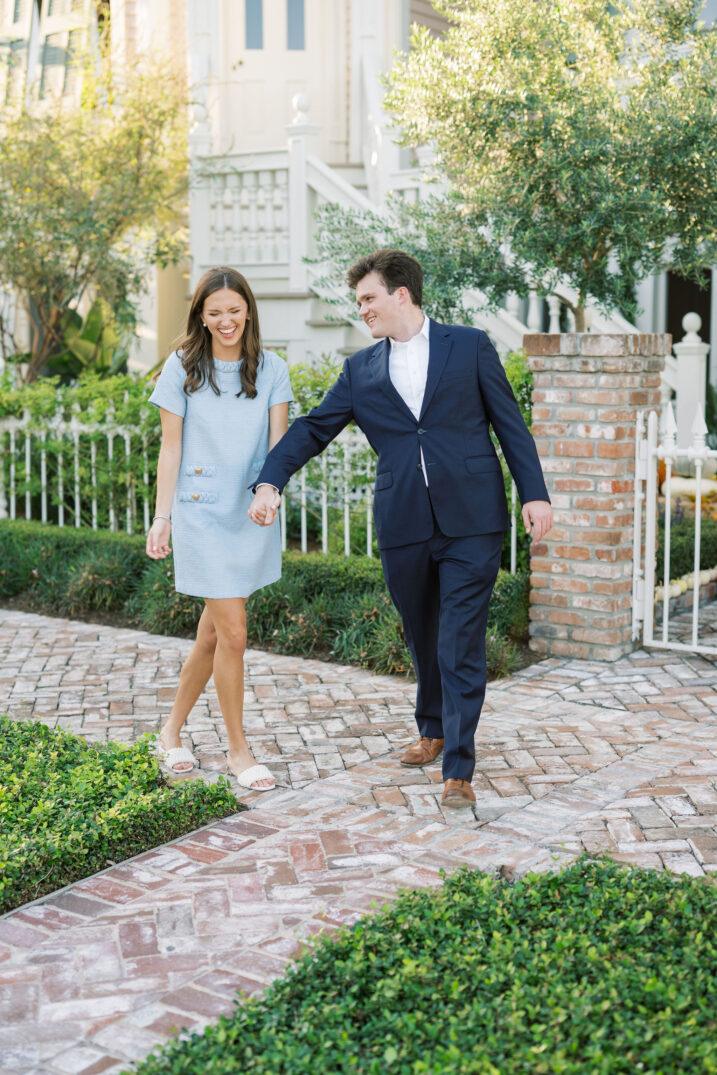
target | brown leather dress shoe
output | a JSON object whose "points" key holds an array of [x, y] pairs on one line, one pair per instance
{"points": [[457, 794], [421, 753]]}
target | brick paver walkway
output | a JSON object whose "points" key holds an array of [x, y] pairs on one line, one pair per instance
{"points": [[572, 756]]}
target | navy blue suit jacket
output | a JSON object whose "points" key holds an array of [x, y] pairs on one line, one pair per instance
{"points": [[466, 392]]}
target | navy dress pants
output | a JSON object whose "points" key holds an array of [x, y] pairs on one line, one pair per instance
{"points": [[442, 589]]}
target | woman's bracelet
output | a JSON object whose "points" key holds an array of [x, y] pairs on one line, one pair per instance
{"points": [[165, 517]]}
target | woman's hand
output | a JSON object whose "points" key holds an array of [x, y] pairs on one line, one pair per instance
{"points": [[158, 539], [263, 507]]}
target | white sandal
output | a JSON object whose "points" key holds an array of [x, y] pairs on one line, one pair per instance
{"points": [[171, 756], [248, 777]]}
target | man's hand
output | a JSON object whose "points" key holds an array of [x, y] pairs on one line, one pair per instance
{"points": [[537, 518], [262, 510]]}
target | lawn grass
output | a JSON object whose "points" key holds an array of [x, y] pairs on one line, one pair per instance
{"points": [[600, 969], [69, 808]]}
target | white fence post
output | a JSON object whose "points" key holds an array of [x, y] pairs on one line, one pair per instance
{"points": [[691, 356]]}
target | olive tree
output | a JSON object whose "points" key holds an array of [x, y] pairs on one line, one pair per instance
{"points": [[90, 196], [580, 135]]}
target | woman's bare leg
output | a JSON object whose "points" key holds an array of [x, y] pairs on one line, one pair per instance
{"points": [[195, 674], [229, 619]]}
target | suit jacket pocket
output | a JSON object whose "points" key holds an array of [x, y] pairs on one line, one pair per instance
{"points": [[383, 481], [476, 464]]}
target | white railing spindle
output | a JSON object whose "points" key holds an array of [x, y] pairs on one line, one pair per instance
{"points": [[130, 484], [668, 448], [60, 491], [302, 480], [28, 497], [324, 505], [76, 468], [145, 475], [93, 481], [13, 492], [347, 503], [43, 476]]}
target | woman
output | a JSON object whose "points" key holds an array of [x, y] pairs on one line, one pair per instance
{"points": [[223, 403]]}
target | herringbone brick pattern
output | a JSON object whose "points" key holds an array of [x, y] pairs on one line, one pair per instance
{"points": [[572, 756]]}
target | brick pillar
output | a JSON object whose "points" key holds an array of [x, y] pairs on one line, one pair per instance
{"points": [[587, 390]]}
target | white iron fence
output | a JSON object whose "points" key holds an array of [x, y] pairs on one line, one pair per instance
{"points": [[647, 588], [62, 470], [70, 472]]}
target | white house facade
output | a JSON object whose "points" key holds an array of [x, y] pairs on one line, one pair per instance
{"points": [[287, 115]]}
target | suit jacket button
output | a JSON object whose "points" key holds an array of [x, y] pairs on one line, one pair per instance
{"points": [[419, 467], [421, 431], [197, 470], [195, 496]]}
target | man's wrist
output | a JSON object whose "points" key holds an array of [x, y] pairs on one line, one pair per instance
{"points": [[266, 485]]}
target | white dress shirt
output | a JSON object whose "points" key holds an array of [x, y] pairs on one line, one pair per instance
{"points": [[408, 370]]}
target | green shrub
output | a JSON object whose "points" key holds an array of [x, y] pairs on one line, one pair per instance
{"points": [[333, 606], [682, 546], [17, 561], [597, 969], [509, 606], [102, 580], [156, 606], [69, 808]]}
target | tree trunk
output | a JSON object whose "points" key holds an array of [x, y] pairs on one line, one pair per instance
{"points": [[43, 340], [580, 325]]}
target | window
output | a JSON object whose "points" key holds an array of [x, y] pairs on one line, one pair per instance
{"points": [[254, 19], [295, 24], [58, 75], [63, 7], [15, 70]]}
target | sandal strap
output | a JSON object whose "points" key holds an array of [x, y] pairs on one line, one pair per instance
{"points": [[176, 755], [253, 775]]}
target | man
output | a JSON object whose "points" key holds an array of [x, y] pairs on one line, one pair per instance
{"points": [[425, 397]]}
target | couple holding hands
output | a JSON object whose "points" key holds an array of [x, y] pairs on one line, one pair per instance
{"points": [[425, 395]]}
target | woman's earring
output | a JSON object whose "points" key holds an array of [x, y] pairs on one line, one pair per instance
{"points": [[204, 324]]}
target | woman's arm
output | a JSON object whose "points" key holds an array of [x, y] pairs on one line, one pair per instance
{"points": [[170, 456], [270, 497], [278, 423]]}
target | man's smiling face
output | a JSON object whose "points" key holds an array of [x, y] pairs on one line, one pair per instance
{"points": [[380, 310]]}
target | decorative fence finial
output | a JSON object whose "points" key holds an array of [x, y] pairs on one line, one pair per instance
{"points": [[301, 103]]}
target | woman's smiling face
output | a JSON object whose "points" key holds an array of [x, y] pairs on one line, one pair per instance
{"points": [[225, 315]]}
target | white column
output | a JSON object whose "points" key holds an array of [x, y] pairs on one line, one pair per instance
{"points": [[203, 54], [691, 356], [303, 136]]}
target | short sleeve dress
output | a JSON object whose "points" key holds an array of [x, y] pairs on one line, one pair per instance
{"points": [[218, 550]]}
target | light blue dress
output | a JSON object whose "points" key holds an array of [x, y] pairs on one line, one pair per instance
{"points": [[218, 550]]}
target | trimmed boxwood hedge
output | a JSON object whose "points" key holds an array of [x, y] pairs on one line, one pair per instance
{"points": [[329, 605], [598, 969], [70, 808]]}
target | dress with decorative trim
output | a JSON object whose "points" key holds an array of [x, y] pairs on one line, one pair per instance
{"points": [[218, 551]]}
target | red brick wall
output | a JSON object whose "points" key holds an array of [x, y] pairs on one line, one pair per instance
{"points": [[587, 390]]}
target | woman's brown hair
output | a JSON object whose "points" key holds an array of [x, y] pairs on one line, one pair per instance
{"points": [[195, 347]]}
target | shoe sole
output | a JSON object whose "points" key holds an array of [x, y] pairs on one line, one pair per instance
{"points": [[454, 803]]}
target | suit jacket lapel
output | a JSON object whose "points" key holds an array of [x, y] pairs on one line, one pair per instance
{"points": [[440, 342], [379, 367]]}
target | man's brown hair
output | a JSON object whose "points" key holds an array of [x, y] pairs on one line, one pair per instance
{"points": [[396, 269]]}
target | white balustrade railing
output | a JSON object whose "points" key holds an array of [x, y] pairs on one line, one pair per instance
{"points": [[246, 202]]}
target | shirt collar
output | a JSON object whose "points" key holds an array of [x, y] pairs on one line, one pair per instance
{"points": [[404, 343]]}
